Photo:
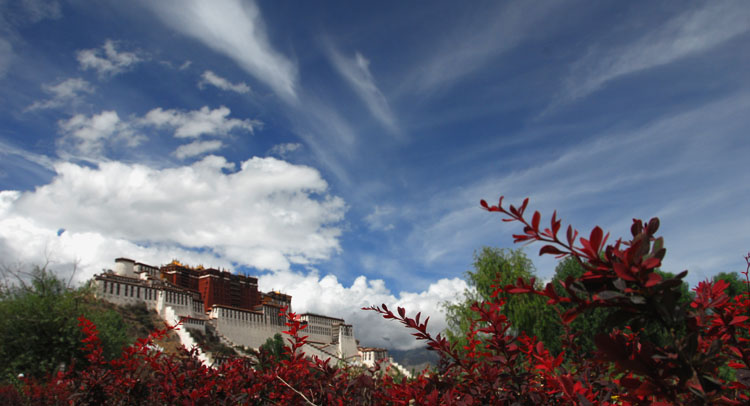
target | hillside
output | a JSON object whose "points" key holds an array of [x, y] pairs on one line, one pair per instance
{"points": [[140, 322]]}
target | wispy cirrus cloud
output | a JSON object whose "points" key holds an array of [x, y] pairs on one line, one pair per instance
{"points": [[6, 56], [356, 71], [236, 30], [107, 61], [693, 31], [664, 168], [210, 78], [476, 39]]}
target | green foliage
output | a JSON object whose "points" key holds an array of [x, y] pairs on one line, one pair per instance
{"points": [[272, 351], [529, 314], [39, 330], [737, 284], [600, 320], [500, 267]]}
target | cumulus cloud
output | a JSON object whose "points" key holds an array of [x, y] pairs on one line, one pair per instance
{"points": [[248, 217], [65, 92], [88, 136], [326, 295], [106, 60], [192, 124], [356, 71], [233, 28], [197, 148], [210, 78], [267, 214], [25, 243]]}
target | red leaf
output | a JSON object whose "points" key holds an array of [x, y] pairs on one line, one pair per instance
{"points": [[622, 271], [540, 348], [567, 385], [651, 263], [569, 316], [550, 249], [519, 290], [523, 206], [596, 239], [555, 223], [535, 220], [653, 279], [738, 319]]}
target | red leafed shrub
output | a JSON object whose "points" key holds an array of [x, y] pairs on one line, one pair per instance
{"points": [[705, 358]]}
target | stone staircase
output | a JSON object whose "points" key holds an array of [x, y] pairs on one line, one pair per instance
{"points": [[315, 349]]}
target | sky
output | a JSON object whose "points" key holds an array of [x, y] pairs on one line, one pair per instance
{"points": [[338, 151]]}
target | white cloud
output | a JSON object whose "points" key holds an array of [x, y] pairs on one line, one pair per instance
{"points": [[196, 148], [283, 150], [193, 124], [63, 93], [210, 78], [9, 149], [25, 243], [87, 136], [107, 61], [473, 41], [356, 71], [268, 214], [235, 29], [326, 295], [264, 215], [691, 32], [687, 168]]}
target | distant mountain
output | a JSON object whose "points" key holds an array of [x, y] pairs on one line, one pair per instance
{"points": [[416, 359]]}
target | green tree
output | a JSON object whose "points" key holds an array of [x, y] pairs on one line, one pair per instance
{"points": [[499, 267], [529, 313], [588, 324], [272, 352], [39, 330], [602, 320], [737, 284]]}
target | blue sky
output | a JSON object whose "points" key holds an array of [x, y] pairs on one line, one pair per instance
{"points": [[340, 152]]}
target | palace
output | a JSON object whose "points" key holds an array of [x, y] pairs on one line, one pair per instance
{"points": [[228, 304]]}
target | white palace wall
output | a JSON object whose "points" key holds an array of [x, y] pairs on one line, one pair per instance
{"points": [[134, 283], [243, 327]]}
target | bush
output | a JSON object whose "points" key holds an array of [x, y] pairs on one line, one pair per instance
{"points": [[494, 367], [39, 332]]}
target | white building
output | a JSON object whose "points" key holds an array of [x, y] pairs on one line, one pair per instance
{"points": [[133, 283]]}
